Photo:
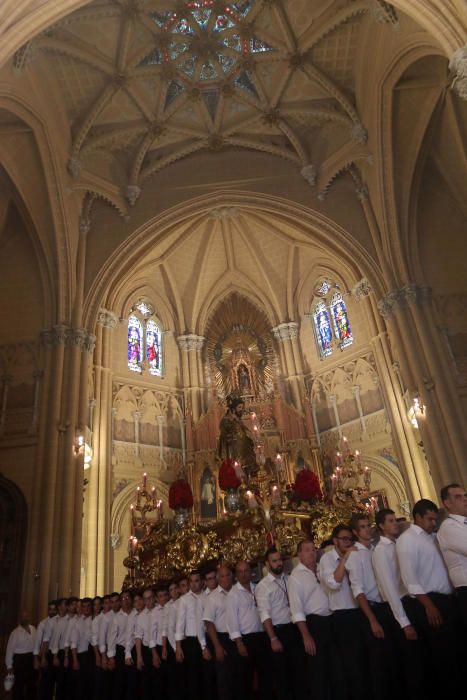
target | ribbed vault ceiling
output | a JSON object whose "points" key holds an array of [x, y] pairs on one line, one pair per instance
{"points": [[147, 82]]}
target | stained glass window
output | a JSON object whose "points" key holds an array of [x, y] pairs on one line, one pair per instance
{"points": [[323, 329], [153, 348], [135, 343], [341, 321]]}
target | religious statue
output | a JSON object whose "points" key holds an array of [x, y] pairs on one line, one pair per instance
{"points": [[208, 495], [243, 380], [235, 441]]}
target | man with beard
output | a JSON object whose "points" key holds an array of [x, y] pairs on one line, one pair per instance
{"points": [[272, 599]]}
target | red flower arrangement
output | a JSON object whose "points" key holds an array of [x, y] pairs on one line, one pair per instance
{"points": [[180, 495], [307, 487], [228, 478]]}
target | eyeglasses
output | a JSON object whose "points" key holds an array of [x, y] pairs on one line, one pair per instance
{"points": [[344, 539]]}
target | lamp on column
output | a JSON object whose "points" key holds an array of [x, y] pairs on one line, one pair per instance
{"points": [[416, 411], [83, 449]]}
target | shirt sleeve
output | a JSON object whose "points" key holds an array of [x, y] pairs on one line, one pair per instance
{"points": [[263, 602], [297, 607], [74, 636], [112, 638], [233, 625], [39, 637], [452, 537], [354, 568], [95, 631], [129, 636], [407, 564], [10, 650], [209, 614], [103, 631], [154, 625], [55, 640], [200, 621], [385, 580], [68, 630], [49, 630], [139, 629], [327, 567], [180, 621]]}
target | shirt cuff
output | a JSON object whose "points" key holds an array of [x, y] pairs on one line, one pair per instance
{"points": [[415, 589], [404, 621], [110, 654], [298, 617], [235, 635], [265, 616], [332, 584], [208, 619], [152, 644], [102, 648], [179, 637], [357, 590]]}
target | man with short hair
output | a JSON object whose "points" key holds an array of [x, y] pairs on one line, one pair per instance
{"points": [[59, 650], [272, 600], [177, 588], [245, 629], [375, 616], [42, 657], [145, 644], [393, 591], [224, 650], [100, 608], [346, 615], [158, 615], [133, 676], [116, 648], [309, 605], [190, 636], [452, 538], [82, 653], [19, 658], [209, 667], [432, 604], [104, 630]]}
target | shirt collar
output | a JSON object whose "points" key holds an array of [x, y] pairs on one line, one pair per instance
{"points": [[363, 547], [302, 567], [459, 518], [386, 540], [242, 588], [416, 529]]}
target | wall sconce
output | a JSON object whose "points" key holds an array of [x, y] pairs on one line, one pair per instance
{"points": [[416, 411], [83, 449]]}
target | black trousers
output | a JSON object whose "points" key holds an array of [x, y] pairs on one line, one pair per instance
{"points": [[209, 674], [386, 678], [133, 678], [161, 674], [351, 644], [148, 675], [62, 678], [47, 680], [462, 598], [438, 645], [118, 679], [324, 677], [175, 676], [25, 680], [288, 665], [83, 680], [193, 667], [226, 676], [258, 660]]}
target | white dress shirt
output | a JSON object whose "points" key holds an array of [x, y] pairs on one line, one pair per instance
{"points": [[272, 599], [422, 567], [117, 633], [80, 635], [95, 628], [241, 611], [340, 594], [189, 621], [130, 632], [306, 597], [59, 635], [388, 578], [215, 609], [158, 616], [144, 628], [170, 619], [452, 538], [362, 577], [104, 628], [19, 642], [43, 633]]}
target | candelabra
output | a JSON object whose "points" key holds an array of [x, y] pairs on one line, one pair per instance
{"points": [[146, 502], [351, 479]]}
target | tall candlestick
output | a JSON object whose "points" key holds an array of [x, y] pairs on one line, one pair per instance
{"points": [[145, 479], [138, 496]]}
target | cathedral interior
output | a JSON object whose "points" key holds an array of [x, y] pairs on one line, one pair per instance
{"points": [[260, 198]]}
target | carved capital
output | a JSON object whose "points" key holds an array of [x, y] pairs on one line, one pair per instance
{"points": [[89, 342], [415, 294], [132, 194], [55, 336], [361, 290], [458, 68], [285, 331], [107, 319], [76, 337], [391, 302], [115, 539], [309, 173], [191, 342]]}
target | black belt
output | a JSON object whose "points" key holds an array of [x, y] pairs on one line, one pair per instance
{"points": [[285, 624]]}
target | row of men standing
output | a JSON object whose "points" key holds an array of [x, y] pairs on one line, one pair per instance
{"points": [[367, 620]]}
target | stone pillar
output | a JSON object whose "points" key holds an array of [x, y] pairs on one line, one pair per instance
{"points": [[356, 395], [191, 346], [333, 400], [37, 375], [99, 488], [427, 373], [286, 335]]}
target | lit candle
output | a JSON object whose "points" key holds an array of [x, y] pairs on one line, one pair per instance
{"points": [[333, 482], [138, 496], [339, 458], [252, 503], [130, 542], [358, 457], [160, 509], [153, 491], [145, 478], [135, 543], [276, 496]]}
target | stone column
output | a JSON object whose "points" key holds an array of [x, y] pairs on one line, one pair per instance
{"points": [[191, 346], [356, 395], [286, 335], [99, 488], [426, 370], [37, 375]]}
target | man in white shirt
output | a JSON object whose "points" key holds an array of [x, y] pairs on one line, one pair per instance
{"points": [[393, 591], [42, 659], [162, 598], [209, 667], [309, 606], [175, 678], [224, 650], [133, 675], [145, 644], [452, 538], [376, 615], [272, 600], [104, 631], [346, 616], [100, 608], [116, 647], [19, 658], [82, 653], [190, 636], [245, 629], [58, 649], [432, 605]]}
